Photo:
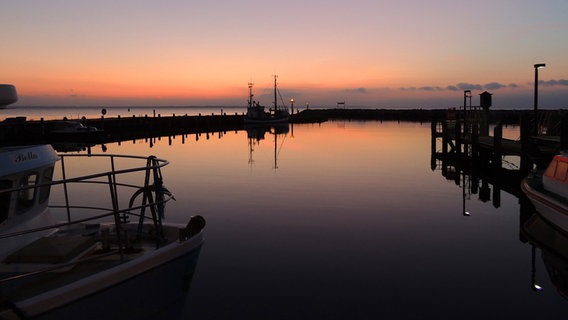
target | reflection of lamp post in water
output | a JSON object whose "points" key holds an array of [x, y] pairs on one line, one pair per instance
{"points": [[536, 67], [292, 112], [534, 285], [464, 212]]}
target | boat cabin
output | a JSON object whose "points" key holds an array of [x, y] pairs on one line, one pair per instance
{"points": [[555, 178], [69, 126], [24, 171]]}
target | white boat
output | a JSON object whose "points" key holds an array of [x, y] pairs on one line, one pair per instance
{"points": [[549, 191], [71, 126], [256, 114], [92, 245], [73, 130], [24, 209], [8, 95]]}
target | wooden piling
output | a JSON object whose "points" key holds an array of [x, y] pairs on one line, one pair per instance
{"points": [[458, 137], [498, 146], [475, 142], [564, 133], [526, 131], [444, 138]]}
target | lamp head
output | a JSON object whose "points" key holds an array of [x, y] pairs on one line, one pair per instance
{"points": [[539, 65]]}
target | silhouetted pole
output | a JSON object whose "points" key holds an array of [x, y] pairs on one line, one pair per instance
{"points": [[292, 106], [526, 131], [497, 147], [536, 67], [466, 94], [564, 133]]}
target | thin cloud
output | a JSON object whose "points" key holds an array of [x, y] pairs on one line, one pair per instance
{"points": [[488, 86], [469, 86], [72, 94], [493, 86], [552, 83], [357, 90], [430, 88]]}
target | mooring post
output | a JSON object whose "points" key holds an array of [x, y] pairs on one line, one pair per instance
{"points": [[496, 196], [434, 135], [458, 137], [564, 133], [526, 130], [475, 141], [444, 138], [466, 133], [497, 145]]}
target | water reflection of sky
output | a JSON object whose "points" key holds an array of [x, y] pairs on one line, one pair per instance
{"points": [[352, 224]]}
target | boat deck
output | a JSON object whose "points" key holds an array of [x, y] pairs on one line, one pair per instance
{"points": [[43, 264]]}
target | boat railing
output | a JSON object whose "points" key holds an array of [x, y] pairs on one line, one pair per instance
{"points": [[121, 182]]}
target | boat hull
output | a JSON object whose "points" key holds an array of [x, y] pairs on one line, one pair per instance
{"points": [[267, 121], [151, 287], [551, 207]]}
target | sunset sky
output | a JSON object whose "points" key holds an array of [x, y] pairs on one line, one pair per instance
{"points": [[372, 53]]}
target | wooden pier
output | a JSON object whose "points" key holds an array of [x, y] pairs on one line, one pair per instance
{"points": [[474, 158], [471, 140]]}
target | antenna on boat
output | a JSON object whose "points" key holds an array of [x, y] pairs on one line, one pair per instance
{"points": [[275, 96], [250, 84]]}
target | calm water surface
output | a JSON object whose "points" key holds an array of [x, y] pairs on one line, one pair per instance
{"points": [[346, 220]]}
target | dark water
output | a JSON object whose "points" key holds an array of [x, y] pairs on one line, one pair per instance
{"points": [[348, 220]]}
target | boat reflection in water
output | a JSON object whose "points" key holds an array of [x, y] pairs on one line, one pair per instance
{"points": [[553, 243], [256, 133], [487, 182]]}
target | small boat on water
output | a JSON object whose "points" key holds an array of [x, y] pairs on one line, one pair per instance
{"points": [[73, 130], [71, 126], [548, 191], [256, 114], [90, 241]]}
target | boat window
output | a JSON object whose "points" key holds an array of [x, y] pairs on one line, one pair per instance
{"points": [[5, 199], [561, 171], [26, 196], [551, 170], [47, 178]]}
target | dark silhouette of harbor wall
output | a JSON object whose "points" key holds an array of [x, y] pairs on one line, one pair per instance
{"points": [[18, 131]]}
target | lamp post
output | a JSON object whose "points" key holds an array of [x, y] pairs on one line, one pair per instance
{"points": [[466, 95], [292, 105], [536, 67]]}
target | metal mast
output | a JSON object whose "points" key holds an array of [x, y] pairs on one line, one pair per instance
{"points": [[250, 94], [275, 96]]}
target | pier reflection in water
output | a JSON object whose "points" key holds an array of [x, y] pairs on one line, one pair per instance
{"points": [[353, 224]]}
